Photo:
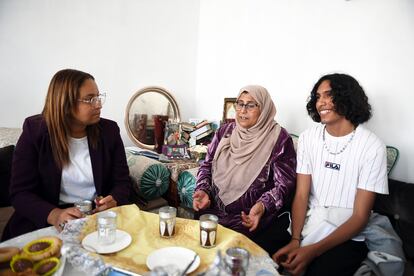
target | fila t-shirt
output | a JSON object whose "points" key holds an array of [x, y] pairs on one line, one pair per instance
{"points": [[340, 165]]}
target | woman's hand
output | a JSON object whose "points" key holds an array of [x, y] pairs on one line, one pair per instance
{"points": [[58, 217], [102, 204], [252, 220], [297, 259], [201, 200]]}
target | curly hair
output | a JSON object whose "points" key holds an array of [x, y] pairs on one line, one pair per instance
{"points": [[348, 97]]}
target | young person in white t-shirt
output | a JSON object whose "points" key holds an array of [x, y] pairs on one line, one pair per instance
{"points": [[341, 166]]}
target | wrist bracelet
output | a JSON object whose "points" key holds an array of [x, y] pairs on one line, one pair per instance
{"points": [[296, 239]]}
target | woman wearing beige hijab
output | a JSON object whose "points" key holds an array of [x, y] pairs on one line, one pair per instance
{"points": [[248, 177]]}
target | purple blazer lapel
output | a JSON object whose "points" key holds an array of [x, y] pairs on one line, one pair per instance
{"points": [[55, 176], [52, 173]]}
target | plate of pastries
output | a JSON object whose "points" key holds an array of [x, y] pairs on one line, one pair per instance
{"points": [[38, 257]]}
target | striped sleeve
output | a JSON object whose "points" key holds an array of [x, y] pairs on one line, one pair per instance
{"points": [[303, 162], [373, 174]]}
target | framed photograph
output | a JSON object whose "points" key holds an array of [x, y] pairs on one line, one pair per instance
{"points": [[229, 112], [172, 133], [175, 151]]}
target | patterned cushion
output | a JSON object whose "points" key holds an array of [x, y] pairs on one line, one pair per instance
{"points": [[185, 185], [9, 136], [150, 178], [392, 157], [295, 140]]}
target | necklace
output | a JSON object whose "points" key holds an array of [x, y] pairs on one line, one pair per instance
{"points": [[343, 148]]}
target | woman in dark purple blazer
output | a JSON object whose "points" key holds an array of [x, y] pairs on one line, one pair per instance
{"points": [[248, 177], [66, 154]]}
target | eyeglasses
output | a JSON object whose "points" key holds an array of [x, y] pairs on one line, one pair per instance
{"points": [[95, 100], [249, 106]]}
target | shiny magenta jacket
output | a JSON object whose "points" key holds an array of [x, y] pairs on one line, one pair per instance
{"points": [[274, 186]]}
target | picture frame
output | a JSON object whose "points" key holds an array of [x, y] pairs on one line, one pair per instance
{"points": [[229, 112], [172, 133], [175, 151]]}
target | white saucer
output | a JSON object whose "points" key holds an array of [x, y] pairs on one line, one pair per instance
{"points": [[178, 256], [122, 240]]}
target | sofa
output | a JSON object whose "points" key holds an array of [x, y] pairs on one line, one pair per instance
{"points": [[8, 138], [398, 206]]}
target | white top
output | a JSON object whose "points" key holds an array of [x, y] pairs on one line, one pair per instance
{"points": [[77, 178], [335, 178]]}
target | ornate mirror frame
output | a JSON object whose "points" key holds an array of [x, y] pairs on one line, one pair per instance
{"points": [[131, 116]]}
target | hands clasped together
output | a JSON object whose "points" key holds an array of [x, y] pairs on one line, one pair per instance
{"points": [[294, 258], [58, 217], [201, 201]]}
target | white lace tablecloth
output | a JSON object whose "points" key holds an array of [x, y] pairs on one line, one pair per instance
{"points": [[78, 261]]}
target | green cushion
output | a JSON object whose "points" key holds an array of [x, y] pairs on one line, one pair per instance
{"points": [[295, 140], [150, 177], [186, 184], [392, 157]]}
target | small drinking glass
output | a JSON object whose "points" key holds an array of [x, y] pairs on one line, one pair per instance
{"points": [[106, 227], [208, 230], [167, 216], [84, 206], [237, 261]]}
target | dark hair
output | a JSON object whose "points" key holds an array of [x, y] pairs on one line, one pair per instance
{"points": [[348, 97], [60, 102]]}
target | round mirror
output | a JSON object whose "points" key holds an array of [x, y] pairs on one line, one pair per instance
{"points": [[146, 114]]}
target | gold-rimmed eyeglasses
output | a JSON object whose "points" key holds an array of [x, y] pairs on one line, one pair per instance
{"points": [[239, 105], [94, 101]]}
